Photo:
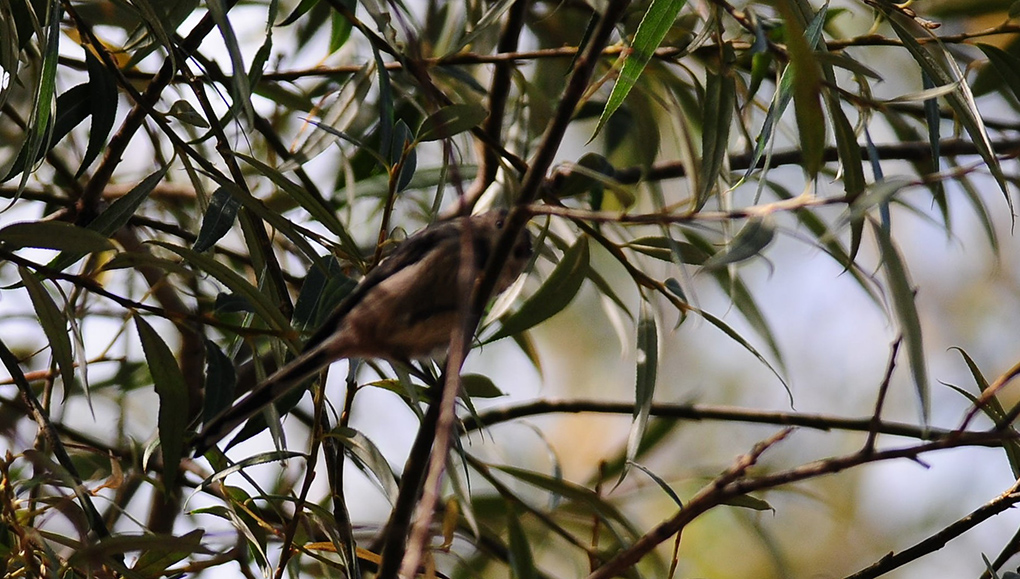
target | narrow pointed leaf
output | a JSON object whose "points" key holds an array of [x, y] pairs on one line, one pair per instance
{"points": [[173, 398], [53, 235], [644, 387], [218, 219], [554, 295], [656, 22], [451, 120], [720, 98], [755, 236], [54, 324], [905, 309]]}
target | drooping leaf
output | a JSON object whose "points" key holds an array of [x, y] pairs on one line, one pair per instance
{"points": [[554, 295], [905, 309], [522, 562], [943, 71], [265, 309], [54, 325], [173, 398], [807, 89], [103, 100], [240, 84], [220, 381], [644, 386], [369, 458], [720, 98], [218, 219], [755, 236]]}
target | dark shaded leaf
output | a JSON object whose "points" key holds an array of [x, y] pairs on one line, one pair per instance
{"points": [[554, 295], [173, 398], [53, 235], [755, 236], [220, 381], [103, 101], [720, 98], [451, 120], [522, 563], [54, 324], [184, 112], [218, 219]]}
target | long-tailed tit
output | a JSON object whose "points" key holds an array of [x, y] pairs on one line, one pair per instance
{"points": [[407, 307]]}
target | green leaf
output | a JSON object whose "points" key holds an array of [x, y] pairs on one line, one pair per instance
{"points": [[720, 98], [644, 386], [480, 386], [404, 155], [264, 308], [158, 551], [666, 249], [451, 120], [1004, 63], [369, 458], [554, 295], [962, 101], [656, 22], [661, 484], [53, 235], [522, 563], [993, 408], [735, 336], [755, 236], [218, 219], [570, 491], [54, 324], [313, 205], [807, 89], [905, 308], [184, 112], [240, 84], [161, 551], [103, 100], [220, 381], [173, 398], [322, 290]]}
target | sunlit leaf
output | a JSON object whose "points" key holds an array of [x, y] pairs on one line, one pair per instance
{"points": [[650, 32], [644, 385]]}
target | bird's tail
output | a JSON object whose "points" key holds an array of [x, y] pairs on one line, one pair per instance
{"points": [[268, 392]]}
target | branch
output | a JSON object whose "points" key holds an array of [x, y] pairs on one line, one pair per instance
{"points": [[727, 488], [935, 542], [700, 412]]}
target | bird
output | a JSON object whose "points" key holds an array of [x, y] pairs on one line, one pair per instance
{"points": [[405, 308]]}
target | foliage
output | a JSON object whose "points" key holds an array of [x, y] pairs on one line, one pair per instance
{"points": [[191, 187]]}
